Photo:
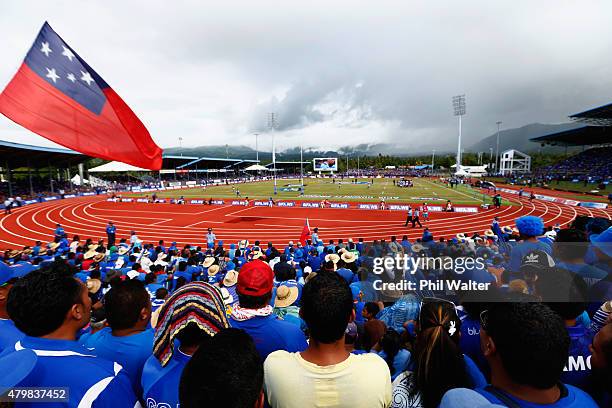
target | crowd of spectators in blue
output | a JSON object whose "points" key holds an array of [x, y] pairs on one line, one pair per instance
{"points": [[314, 323]]}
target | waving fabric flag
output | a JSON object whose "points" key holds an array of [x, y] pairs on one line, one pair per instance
{"points": [[305, 232], [56, 94]]}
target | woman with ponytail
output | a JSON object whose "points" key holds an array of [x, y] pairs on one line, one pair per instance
{"points": [[438, 364]]}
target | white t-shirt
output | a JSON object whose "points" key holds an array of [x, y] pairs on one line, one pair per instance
{"points": [[360, 381]]}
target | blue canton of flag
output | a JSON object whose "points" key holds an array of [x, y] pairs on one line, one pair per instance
{"points": [[54, 61]]}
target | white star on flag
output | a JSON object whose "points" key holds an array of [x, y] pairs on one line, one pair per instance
{"points": [[86, 77], [71, 77], [67, 53], [52, 74], [45, 49]]}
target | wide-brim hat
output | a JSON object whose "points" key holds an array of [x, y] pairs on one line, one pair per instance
{"points": [[285, 296], [341, 251], [550, 234], [507, 229], [89, 254], [461, 235], [93, 285], [133, 274], [348, 257], [208, 261], [310, 276], [213, 270], [332, 257], [243, 244], [99, 257], [227, 297], [417, 248], [13, 253], [27, 251], [53, 246], [489, 233], [231, 278], [256, 254]]}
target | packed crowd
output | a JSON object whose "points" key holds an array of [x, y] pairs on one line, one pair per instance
{"points": [[129, 322], [592, 165]]}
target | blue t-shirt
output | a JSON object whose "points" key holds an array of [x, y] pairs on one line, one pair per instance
{"points": [[577, 371], [522, 249], [9, 335], [92, 381], [271, 334], [161, 384], [129, 351], [469, 342], [572, 397], [401, 361], [348, 275]]}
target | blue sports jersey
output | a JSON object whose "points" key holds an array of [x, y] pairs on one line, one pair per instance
{"points": [[92, 381], [9, 335], [129, 351], [578, 368], [160, 384], [571, 397]]}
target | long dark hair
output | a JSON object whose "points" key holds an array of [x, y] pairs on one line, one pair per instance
{"points": [[391, 344], [439, 360]]}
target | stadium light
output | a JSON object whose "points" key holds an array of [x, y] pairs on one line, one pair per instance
{"points": [[256, 147], [497, 164], [272, 125], [433, 154], [459, 110]]}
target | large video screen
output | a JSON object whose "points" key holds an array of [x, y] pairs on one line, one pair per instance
{"points": [[325, 164]]}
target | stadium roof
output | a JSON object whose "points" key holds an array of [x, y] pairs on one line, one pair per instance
{"points": [[289, 163], [22, 155], [214, 163], [580, 136], [601, 116], [115, 167], [170, 161]]}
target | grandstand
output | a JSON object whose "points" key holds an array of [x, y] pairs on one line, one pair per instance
{"points": [[593, 164]]}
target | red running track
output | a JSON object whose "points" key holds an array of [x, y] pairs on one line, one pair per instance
{"points": [[87, 217]]}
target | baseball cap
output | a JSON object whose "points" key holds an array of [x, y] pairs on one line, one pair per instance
{"points": [[537, 260], [256, 278]]}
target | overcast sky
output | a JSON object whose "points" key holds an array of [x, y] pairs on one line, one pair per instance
{"points": [[336, 72]]}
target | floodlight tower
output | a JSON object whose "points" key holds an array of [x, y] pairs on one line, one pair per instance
{"points": [[498, 123], [272, 125], [459, 110], [256, 147]]}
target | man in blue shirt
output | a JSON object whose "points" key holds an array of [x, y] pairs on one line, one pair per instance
{"points": [[526, 364], [254, 314], [530, 228], [192, 315], [111, 233], [51, 307], [9, 334], [128, 340]]}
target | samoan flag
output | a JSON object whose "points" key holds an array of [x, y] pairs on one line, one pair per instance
{"points": [[57, 95]]}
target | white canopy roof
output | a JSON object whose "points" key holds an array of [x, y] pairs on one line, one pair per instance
{"points": [[257, 167], [115, 167]]}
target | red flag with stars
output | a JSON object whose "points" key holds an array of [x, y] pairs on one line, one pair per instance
{"points": [[57, 95]]}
